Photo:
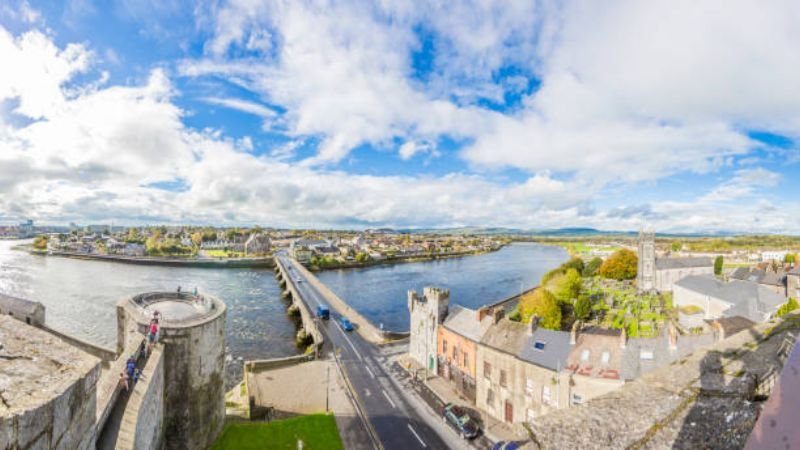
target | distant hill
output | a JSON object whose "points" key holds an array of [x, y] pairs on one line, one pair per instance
{"points": [[556, 232]]}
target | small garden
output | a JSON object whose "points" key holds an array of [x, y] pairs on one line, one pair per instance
{"points": [[316, 431]]}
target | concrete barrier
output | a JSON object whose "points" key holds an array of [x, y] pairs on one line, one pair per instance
{"points": [[105, 354]]}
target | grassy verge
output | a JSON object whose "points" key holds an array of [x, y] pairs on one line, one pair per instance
{"points": [[317, 431]]}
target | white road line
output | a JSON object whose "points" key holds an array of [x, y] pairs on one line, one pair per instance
{"points": [[416, 436], [370, 372], [390, 401], [339, 327]]}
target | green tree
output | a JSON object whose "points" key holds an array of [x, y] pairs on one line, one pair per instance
{"points": [[620, 266], [676, 246], [591, 268], [787, 307], [544, 304], [718, 265], [567, 286], [362, 256], [133, 236], [583, 307], [790, 258], [574, 263]]}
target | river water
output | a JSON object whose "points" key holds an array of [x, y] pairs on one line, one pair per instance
{"points": [[81, 296]]}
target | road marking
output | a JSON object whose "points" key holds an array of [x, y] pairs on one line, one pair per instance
{"points": [[366, 393], [339, 327], [390, 401], [370, 372], [417, 436]]}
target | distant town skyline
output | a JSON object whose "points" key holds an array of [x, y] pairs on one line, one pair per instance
{"points": [[357, 114]]}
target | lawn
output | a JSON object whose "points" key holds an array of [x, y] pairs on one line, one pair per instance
{"points": [[317, 431], [219, 253]]}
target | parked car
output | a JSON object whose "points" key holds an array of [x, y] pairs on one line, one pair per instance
{"points": [[346, 325], [507, 445], [458, 418], [323, 312]]}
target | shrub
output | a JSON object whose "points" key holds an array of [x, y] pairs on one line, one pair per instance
{"points": [[544, 304], [591, 268], [787, 307], [583, 307], [718, 261]]}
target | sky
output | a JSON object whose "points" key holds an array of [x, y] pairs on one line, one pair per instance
{"points": [[678, 115]]}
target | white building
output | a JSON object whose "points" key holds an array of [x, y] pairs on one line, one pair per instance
{"points": [[774, 255], [719, 299], [427, 313]]}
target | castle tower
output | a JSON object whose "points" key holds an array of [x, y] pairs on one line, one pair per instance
{"points": [[427, 313], [646, 273]]}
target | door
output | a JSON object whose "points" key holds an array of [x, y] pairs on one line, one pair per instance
{"points": [[509, 412]]}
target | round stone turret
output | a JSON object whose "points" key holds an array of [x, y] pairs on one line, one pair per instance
{"points": [[192, 331]]}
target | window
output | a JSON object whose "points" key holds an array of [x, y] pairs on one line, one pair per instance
{"points": [[455, 354], [444, 347], [466, 359], [539, 345], [546, 395], [529, 387], [503, 380], [577, 399], [606, 357], [646, 354], [585, 355], [487, 370], [530, 415]]}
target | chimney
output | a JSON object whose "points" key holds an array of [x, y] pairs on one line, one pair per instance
{"points": [[573, 334], [673, 337], [623, 339], [498, 314], [534, 324], [482, 312]]}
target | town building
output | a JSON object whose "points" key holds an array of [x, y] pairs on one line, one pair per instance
{"points": [[427, 314], [774, 255], [727, 299], [457, 347], [793, 283], [257, 244], [772, 278], [660, 274]]}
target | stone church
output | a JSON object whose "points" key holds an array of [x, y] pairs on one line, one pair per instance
{"points": [[660, 274]]}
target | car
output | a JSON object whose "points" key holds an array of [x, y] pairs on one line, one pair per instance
{"points": [[346, 324], [323, 312], [458, 418], [299, 280], [507, 445]]}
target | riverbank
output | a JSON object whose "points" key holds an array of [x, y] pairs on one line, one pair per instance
{"points": [[159, 261], [397, 260]]}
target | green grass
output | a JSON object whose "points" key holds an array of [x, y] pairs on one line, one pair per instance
{"points": [[219, 253], [317, 431]]}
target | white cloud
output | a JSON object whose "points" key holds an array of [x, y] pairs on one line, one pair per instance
{"points": [[242, 105]]}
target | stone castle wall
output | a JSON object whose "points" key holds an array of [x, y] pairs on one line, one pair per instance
{"points": [[142, 426]]}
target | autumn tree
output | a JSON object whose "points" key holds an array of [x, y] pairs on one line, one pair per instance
{"points": [[621, 265], [40, 243], [543, 304]]}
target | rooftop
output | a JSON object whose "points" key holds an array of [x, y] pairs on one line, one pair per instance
{"points": [[747, 298], [464, 321], [176, 308], [36, 366], [683, 263]]}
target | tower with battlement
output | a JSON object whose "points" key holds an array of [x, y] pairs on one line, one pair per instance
{"points": [[427, 313], [646, 271]]}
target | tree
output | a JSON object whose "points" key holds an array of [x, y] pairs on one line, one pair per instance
{"points": [[790, 258], [718, 265], [567, 286], [676, 246], [591, 268], [574, 263], [133, 236], [40, 243], [787, 307], [583, 307], [620, 266], [544, 304], [362, 256]]}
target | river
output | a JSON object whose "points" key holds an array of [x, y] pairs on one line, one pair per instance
{"points": [[81, 295]]}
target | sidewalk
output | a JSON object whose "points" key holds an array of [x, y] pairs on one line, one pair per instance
{"points": [[493, 429]]}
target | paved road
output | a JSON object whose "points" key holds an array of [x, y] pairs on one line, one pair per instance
{"points": [[400, 420]]}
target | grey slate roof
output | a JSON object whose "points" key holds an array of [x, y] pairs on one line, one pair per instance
{"points": [[759, 276], [795, 271], [633, 366], [683, 263], [506, 336], [748, 299], [464, 321], [555, 352]]}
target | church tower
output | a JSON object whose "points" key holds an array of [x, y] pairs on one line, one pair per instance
{"points": [[646, 273]]}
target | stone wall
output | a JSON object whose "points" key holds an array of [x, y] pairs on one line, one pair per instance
{"points": [[105, 354], [142, 425], [30, 312], [307, 316]]}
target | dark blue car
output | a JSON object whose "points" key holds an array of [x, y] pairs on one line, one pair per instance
{"points": [[346, 325], [507, 445], [323, 312]]}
